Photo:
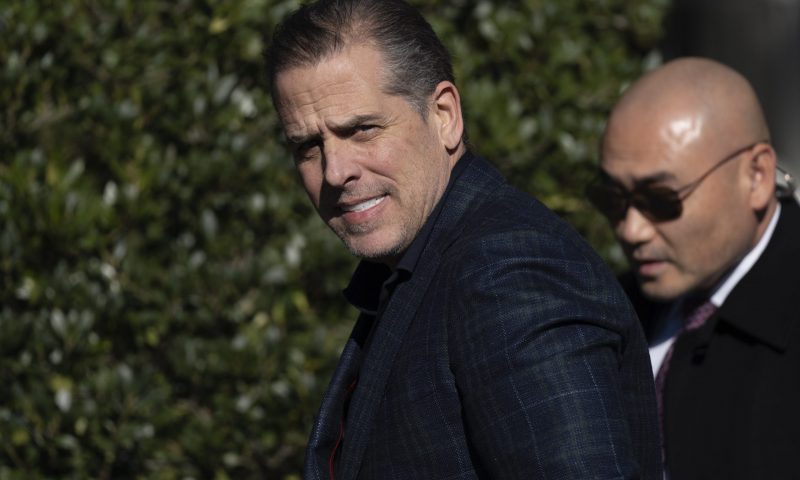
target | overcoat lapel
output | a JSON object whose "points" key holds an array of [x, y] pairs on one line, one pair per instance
{"points": [[776, 308]]}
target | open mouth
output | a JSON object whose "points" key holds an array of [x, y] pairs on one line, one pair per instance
{"points": [[365, 205]]}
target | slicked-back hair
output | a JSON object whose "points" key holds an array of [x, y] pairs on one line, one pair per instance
{"points": [[413, 58]]}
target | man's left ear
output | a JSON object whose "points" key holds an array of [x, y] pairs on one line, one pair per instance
{"points": [[761, 171], [447, 115]]}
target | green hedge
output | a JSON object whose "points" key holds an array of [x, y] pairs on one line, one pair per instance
{"points": [[169, 302]]}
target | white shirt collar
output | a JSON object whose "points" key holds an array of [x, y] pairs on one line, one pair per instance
{"points": [[729, 282]]}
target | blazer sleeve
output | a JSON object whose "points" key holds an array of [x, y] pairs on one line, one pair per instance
{"points": [[536, 335]]}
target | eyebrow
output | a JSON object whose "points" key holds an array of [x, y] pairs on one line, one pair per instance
{"points": [[655, 178], [357, 120], [340, 128], [294, 140]]}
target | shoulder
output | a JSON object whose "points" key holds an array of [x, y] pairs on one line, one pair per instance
{"points": [[515, 249], [484, 216], [512, 224]]}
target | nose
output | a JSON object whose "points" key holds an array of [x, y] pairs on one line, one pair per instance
{"points": [[340, 163], [634, 228]]}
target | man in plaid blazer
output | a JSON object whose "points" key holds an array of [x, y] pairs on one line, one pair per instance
{"points": [[492, 341]]}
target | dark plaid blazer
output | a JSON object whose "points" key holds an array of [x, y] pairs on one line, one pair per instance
{"points": [[511, 352]]}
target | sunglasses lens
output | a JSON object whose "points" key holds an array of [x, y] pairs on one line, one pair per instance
{"points": [[658, 203], [609, 200]]}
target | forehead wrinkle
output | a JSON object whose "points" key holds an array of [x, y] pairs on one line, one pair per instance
{"points": [[309, 110], [318, 98]]}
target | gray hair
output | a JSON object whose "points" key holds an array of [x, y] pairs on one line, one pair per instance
{"points": [[415, 59]]}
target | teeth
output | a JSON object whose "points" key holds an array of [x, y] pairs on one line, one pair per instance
{"points": [[360, 207]]}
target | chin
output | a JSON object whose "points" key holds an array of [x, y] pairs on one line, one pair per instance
{"points": [[661, 291], [373, 251]]}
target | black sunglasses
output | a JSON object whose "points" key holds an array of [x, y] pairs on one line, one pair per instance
{"points": [[656, 202]]}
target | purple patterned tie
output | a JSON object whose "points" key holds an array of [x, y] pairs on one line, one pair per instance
{"points": [[694, 320]]}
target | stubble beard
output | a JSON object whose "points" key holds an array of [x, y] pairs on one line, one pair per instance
{"points": [[350, 236]]}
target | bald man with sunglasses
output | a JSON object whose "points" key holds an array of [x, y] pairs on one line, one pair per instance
{"points": [[688, 184]]}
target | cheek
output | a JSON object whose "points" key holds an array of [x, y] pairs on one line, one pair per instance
{"points": [[423, 164], [698, 245], [311, 178], [392, 159]]}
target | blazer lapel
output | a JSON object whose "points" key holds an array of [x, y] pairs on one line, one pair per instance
{"points": [[377, 365], [326, 428], [477, 181], [474, 184]]}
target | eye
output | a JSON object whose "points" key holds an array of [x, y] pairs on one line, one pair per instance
{"points": [[307, 150], [365, 131]]}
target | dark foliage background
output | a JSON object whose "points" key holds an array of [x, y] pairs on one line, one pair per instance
{"points": [[169, 302]]}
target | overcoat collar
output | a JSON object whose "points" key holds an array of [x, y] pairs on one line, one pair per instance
{"points": [[769, 318]]}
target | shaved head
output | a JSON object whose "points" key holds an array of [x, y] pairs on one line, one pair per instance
{"points": [[715, 96], [695, 127]]}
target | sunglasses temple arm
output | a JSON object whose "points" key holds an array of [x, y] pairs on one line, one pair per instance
{"points": [[785, 183]]}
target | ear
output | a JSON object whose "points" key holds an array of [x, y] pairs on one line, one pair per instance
{"points": [[761, 175], [447, 115]]}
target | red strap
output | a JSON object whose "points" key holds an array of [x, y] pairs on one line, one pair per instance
{"points": [[339, 439]]}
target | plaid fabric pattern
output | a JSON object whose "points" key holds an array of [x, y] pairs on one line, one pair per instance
{"points": [[511, 352]]}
